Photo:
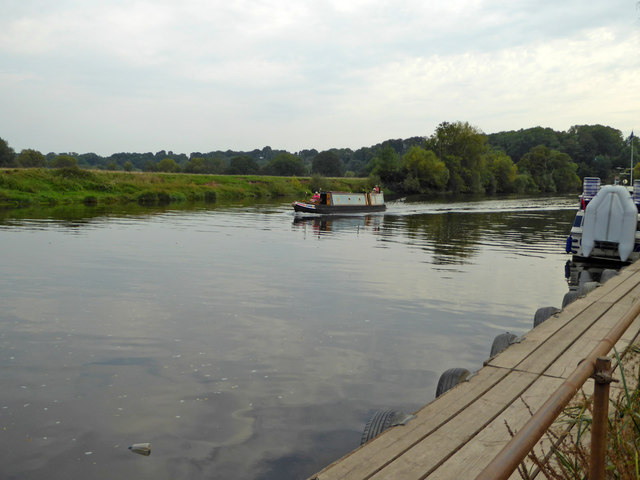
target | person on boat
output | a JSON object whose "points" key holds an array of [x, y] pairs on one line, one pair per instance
{"points": [[315, 198], [376, 189]]}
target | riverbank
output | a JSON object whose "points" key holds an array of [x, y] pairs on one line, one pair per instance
{"points": [[24, 187]]}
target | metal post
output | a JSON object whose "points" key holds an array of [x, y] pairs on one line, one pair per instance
{"points": [[599, 427], [631, 142]]}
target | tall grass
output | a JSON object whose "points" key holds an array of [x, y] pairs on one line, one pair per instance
{"points": [[21, 187], [569, 456]]}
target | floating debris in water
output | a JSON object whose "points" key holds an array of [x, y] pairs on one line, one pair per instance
{"points": [[141, 448]]}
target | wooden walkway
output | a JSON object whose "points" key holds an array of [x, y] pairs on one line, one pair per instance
{"points": [[456, 435]]}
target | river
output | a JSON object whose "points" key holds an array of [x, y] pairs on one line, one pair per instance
{"points": [[242, 341]]}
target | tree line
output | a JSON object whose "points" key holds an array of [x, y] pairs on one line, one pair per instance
{"points": [[457, 158]]}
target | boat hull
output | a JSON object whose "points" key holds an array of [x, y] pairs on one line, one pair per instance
{"points": [[606, 227], [333, 209]]}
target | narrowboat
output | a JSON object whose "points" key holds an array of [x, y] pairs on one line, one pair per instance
{"points": [[342, 202], [605, 227]]}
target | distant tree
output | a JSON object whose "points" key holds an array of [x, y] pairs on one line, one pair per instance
{"points": [[7, 154], [328, 164], [150, 166], [387, 165], [195, 165], [29, 158], [502, 171], [462, 147], [516, 143], [168, 165], [552, 171], [128, 166], [425, 167], [64, 161], [242, 165], [285, 165], [588, 144]]}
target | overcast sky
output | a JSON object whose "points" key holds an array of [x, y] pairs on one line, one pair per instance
{"points": [[109, 76]]}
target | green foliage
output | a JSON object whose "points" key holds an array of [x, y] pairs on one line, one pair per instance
{"points": [[387, 166], [7, 155], [29, 158], [242, 165], [328, 164], [73, 172], [285, 165], [168, 165], [317, 183], [502, 171], [471, 161], [551, 170], [64, 161], [425, 171]]}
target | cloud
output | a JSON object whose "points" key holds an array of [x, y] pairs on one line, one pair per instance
{"points": [[203, 75]]}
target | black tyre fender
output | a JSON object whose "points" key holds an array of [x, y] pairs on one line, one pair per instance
{"points": [[569, 297], [450, 378], [382, 420], [543, 313], [607, 274], [501, 342], [585, 288]]}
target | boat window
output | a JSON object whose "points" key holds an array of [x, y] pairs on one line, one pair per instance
{"points": [[578, 221]]}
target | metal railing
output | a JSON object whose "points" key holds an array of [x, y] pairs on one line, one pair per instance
{"points": [[595, 365]]}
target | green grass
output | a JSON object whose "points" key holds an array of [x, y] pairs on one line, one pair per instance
{"points": [[569, 458], [24, 187]]}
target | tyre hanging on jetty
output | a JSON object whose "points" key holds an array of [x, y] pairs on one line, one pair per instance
{"points": [[382, 420], [542, 314], [501, 342], [450, 378]]}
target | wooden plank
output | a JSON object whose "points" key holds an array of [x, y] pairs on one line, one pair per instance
{"points": [[539, 350], [433, 454], [366, 460], [474, 456], [531, 347], [567, 362]]}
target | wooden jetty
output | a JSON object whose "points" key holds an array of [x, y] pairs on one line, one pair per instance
{"points": [[459, 433]]}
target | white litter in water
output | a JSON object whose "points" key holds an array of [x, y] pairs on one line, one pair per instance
{"points": [[141, 449]]}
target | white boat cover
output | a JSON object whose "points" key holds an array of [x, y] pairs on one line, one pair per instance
{"points": [[610, 217]]}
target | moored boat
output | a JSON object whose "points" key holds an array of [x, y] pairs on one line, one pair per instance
{"points": [[606, 224], [343, 202]]}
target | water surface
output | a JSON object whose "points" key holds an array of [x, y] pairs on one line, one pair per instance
{"points": [[246, 342]]}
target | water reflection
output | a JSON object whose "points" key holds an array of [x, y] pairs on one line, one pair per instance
{"points": [[242, 341]]}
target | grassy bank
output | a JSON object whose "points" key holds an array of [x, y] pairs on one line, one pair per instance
{"points": [[22, 187]]}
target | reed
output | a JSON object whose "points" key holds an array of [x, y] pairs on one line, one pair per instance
{"points": [[569, 456]]}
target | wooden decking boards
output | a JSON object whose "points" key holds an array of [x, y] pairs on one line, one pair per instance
{"points": [[456, 435]]}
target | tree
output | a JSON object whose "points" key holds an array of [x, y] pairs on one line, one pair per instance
{"points": [[551, 170], [168, 165], [242, 165], [196, 165], [64, 161], [285, 165], [425, 167], [128, 166], [7, 155], [328, 164], [502, 171], [461, 143], [387, 166], [29, 158]]}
